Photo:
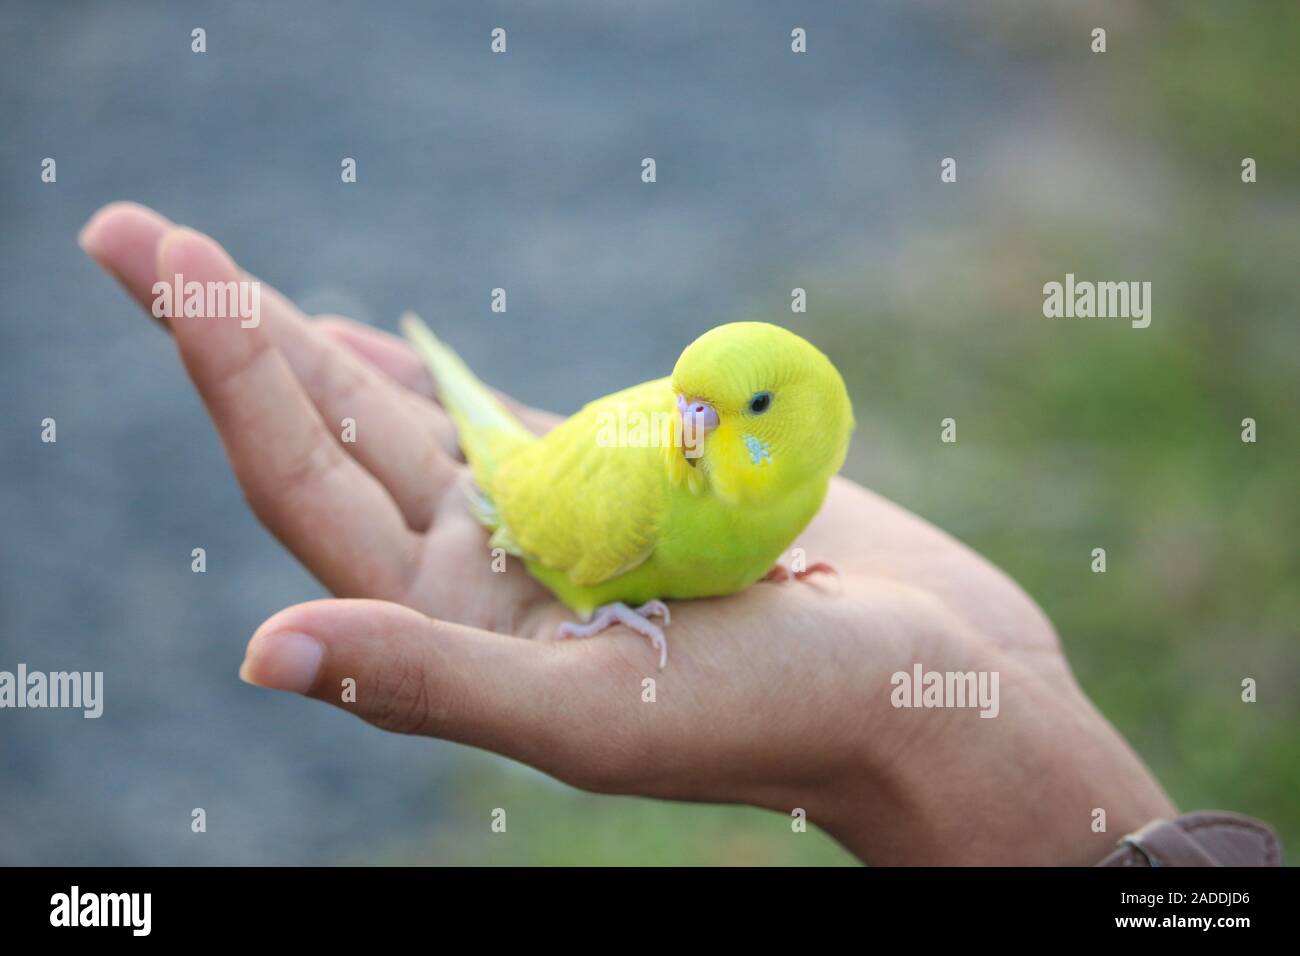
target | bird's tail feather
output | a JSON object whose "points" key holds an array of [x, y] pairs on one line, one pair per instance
{"points": [[488, 431]]}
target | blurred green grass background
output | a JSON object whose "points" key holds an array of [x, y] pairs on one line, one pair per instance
{"points": [[1073, 434]]}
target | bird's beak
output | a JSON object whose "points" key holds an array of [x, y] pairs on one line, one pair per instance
{"points": [[698, 419]]}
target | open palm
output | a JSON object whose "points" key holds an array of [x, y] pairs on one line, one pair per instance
{"points": [[779, 696]]}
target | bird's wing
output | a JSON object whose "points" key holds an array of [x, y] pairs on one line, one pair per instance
{"points": [[589, 498]]}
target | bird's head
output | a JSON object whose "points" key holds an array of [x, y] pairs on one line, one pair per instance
{"points": [[759, 411]]}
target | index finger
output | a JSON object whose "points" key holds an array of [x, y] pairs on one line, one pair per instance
{"points": [[321, 504]]}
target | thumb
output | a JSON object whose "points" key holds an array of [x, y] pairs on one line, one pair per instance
{"points": [[408, 673]]}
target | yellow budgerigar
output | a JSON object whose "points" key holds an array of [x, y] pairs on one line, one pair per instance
{"points": [[683, 487]]}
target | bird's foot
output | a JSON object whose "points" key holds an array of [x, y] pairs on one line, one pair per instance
{"points": [[818, 567], [637, 620], [781, 573]]}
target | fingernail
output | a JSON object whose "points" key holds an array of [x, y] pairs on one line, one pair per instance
{"points": [[284, 661]]}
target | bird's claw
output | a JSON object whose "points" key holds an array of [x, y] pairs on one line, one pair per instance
{"points": [[635, 620], [818, 567], [780, 573]]}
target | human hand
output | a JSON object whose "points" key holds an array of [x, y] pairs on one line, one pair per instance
{"points": [[779, 696]]}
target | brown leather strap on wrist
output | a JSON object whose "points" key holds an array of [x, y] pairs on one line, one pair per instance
{"points": [[1207, 838]]}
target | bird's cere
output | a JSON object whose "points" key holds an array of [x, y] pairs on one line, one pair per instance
{"points": [[698, 419]]}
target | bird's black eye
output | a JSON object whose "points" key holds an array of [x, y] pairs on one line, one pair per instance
{"points": [[760, 403]]}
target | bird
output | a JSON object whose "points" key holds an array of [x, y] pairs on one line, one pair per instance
{"points": [[683, 487]]}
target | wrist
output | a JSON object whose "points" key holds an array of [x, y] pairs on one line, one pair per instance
{"points": [[1047, 781]]}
